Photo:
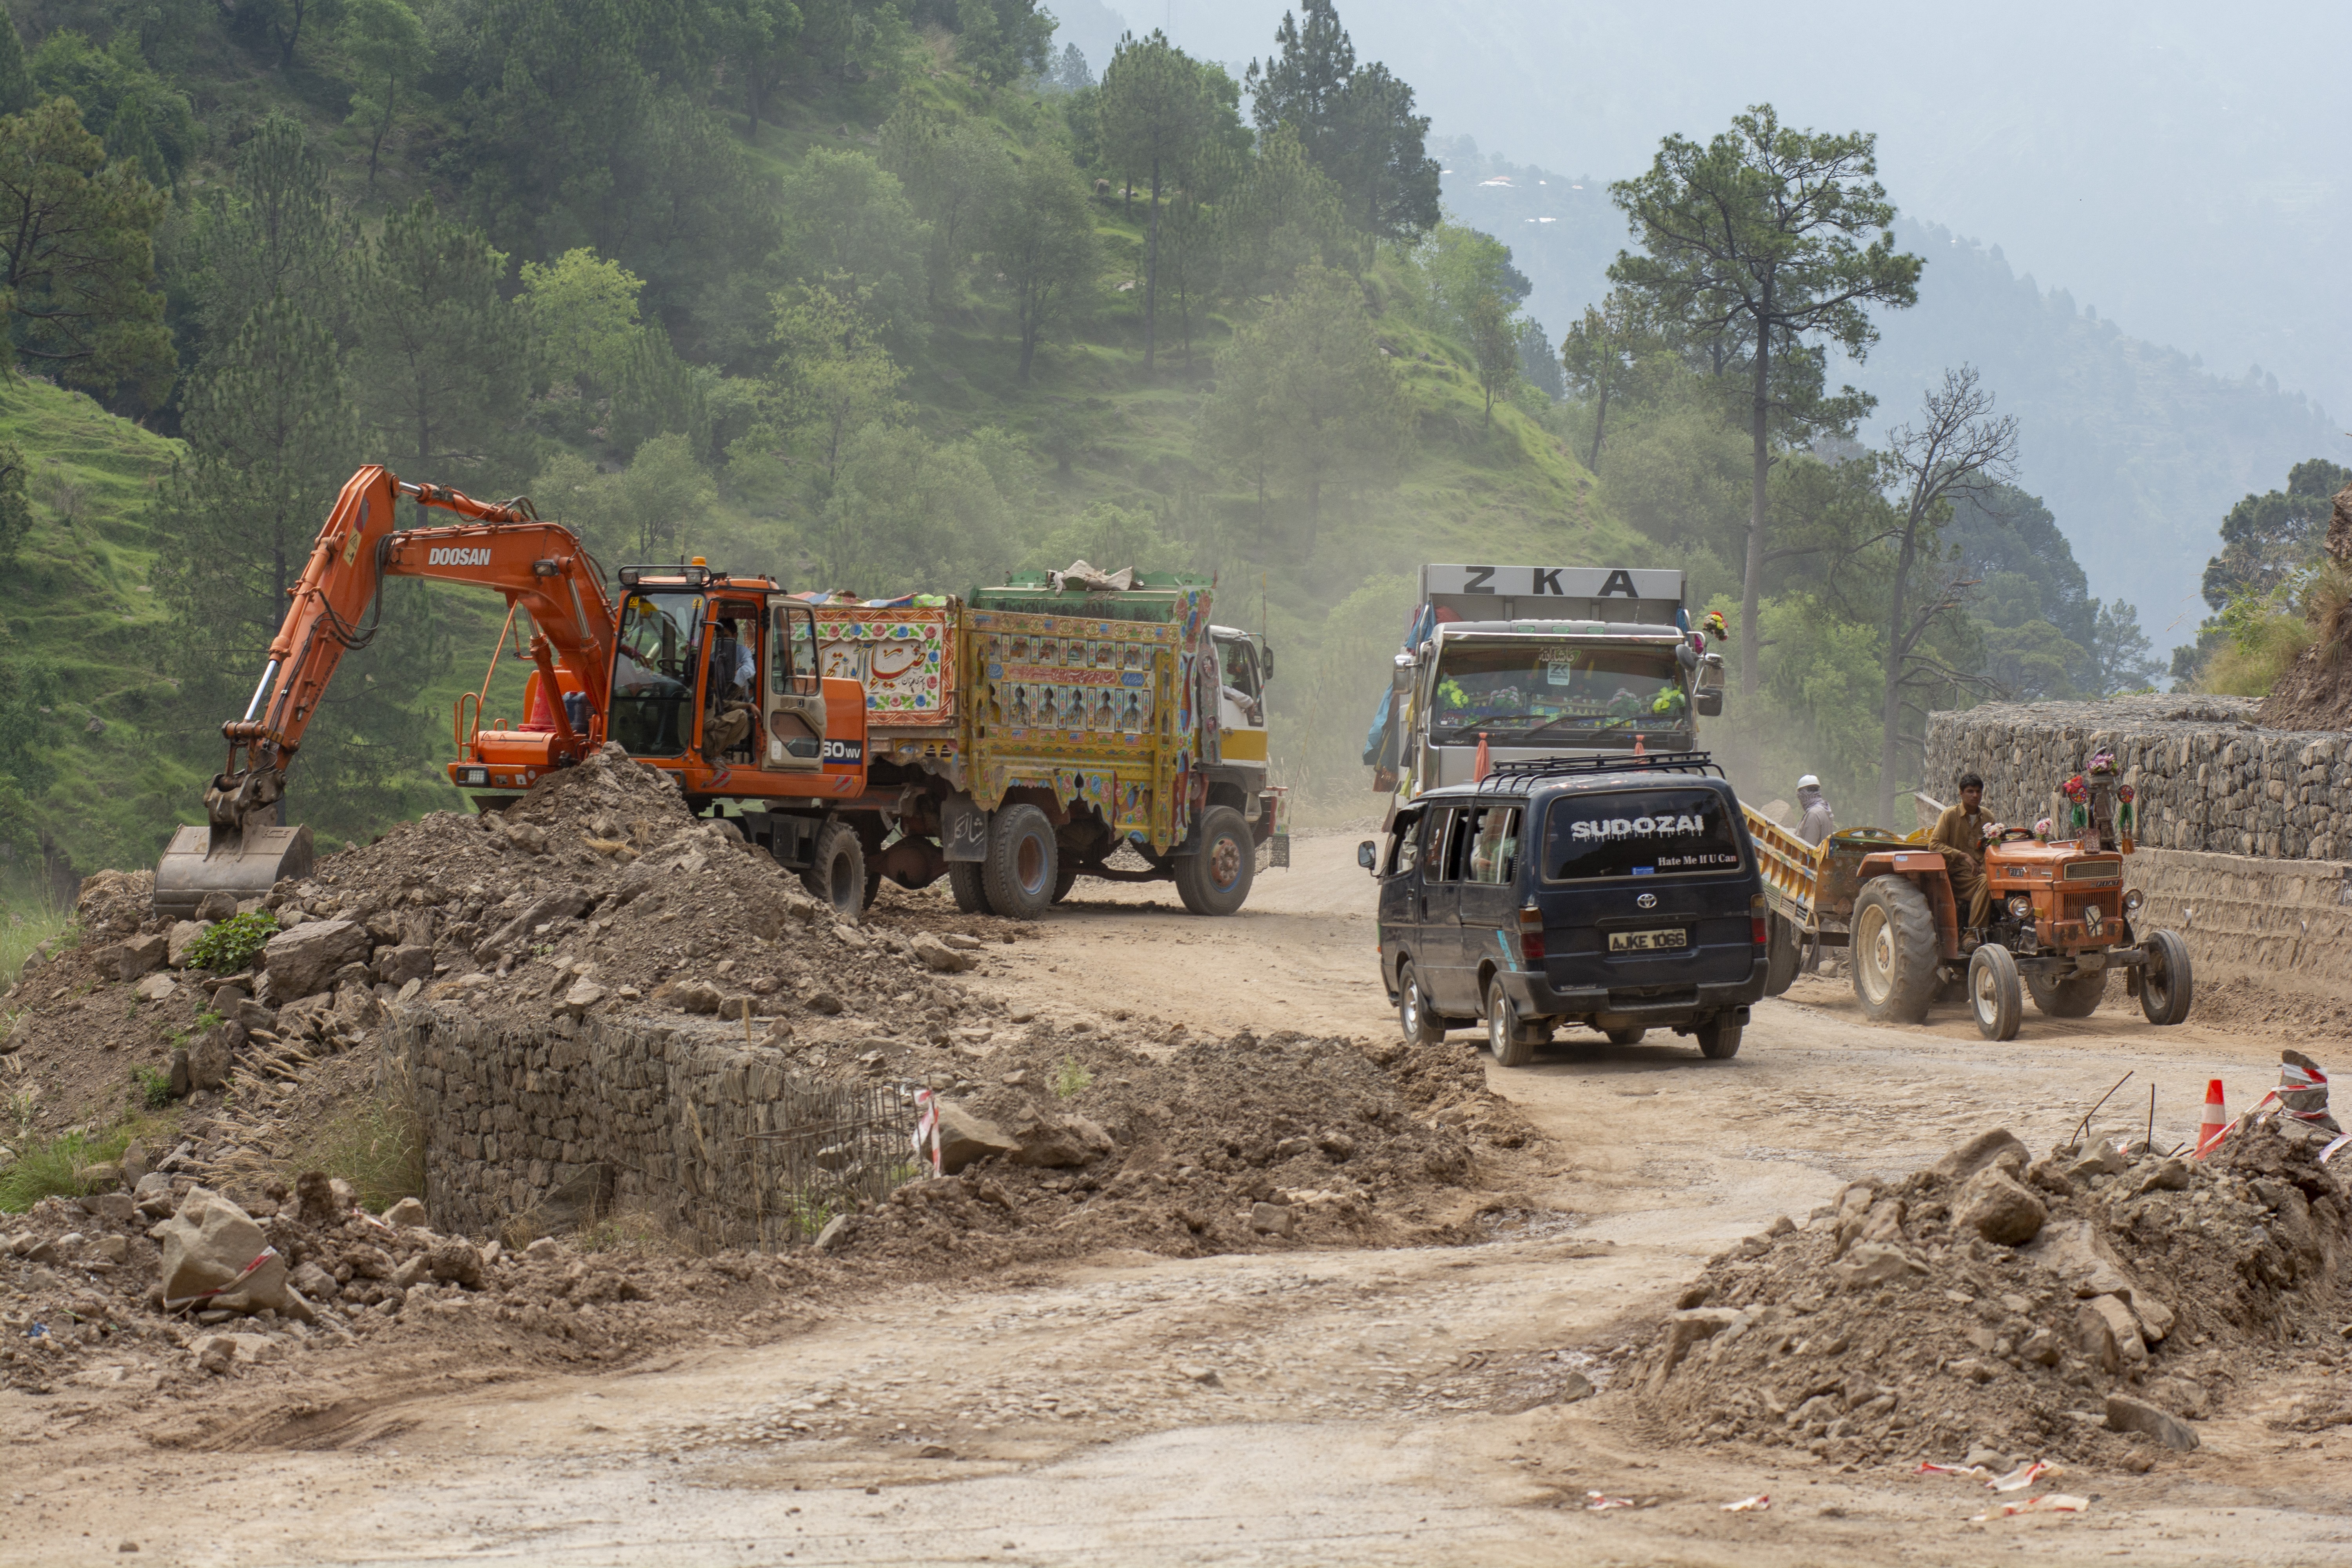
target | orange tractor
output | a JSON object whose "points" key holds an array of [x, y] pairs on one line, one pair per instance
{"points": [[2061, 918], [710, 678]]}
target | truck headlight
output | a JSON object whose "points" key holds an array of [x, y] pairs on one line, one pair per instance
{"points": [[2133, 900], [2021, 908]]}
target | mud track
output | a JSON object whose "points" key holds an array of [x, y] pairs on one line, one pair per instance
{"points": [[1342, 1407]]}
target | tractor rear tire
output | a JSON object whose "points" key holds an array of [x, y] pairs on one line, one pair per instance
{"points": [[1020, 869], [971, 889], [2164, 983], [1894, 951], [2076, 996], [1215, 879], [1780, 957], [837, 869], [1994, 994]]}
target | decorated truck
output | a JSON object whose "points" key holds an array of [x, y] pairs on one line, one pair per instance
{"points": [[1035, 732], [1522, 663]]}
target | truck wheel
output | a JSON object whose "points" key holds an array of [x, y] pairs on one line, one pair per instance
{"points": [[1780, 958], [1215, 879], [1019, 870], [1718, 1037], [1421, 1027], [971, 889], [2164, 982], [1063, 881], [1511, 1037], [837, 869], [2076, 996], [1894, 949], [1994, 994]]}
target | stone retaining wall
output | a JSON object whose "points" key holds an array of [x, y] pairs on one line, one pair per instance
{"points": [[553, 1121], [2206, 776], [2287, 922]]}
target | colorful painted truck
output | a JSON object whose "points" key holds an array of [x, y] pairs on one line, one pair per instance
{"points": [[1023, 737]]}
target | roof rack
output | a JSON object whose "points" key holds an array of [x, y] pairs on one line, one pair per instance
{"points": [[1652, 763]]}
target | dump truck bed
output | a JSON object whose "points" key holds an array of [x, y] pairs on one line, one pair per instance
{"points": [[1813, 887]]}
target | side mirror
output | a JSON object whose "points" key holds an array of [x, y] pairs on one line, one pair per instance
{"points": [[1401, 675], [1709, 702], [1264, 661], [1367, 853]]}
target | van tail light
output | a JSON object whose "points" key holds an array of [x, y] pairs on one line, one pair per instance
{"points": [[1531, 947], [1760, 923]]}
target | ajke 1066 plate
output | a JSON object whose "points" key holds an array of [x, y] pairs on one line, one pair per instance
{"points": [[1647, 940]]}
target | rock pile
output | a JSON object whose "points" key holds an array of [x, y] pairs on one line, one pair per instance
{"points": [[2082, 1306]]}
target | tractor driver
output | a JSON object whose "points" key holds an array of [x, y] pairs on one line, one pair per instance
{"points": [[1959, 834]]}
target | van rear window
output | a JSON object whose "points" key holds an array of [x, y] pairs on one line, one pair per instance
{"points": [[1638, 833]]}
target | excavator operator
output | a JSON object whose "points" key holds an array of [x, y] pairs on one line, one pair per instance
{"points": [[728, 721]]}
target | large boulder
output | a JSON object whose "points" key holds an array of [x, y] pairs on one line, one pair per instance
{"points": [[1998, 1147], [180, 938], [212, 1054], [399, 965], [301, 962], [1059, 1141], [1995, 1206], [964, 1138], [215, 1256], [140, 955]]}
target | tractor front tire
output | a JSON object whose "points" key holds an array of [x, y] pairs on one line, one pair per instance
{"points": [[2164, 982], [1994, 994], [1894, 951]]}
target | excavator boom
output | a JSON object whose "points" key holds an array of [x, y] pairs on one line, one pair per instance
{"points": [[242, 850]]}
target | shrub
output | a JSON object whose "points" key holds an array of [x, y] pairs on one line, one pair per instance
{"points": [[233, 943]]}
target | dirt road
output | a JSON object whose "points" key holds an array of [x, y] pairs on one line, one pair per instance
{"points": [[1347, 1407]]}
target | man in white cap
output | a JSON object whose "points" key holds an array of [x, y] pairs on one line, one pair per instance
{"points": [[1819, 823]]}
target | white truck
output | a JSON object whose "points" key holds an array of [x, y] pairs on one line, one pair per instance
{"points": [[1531, 662]]}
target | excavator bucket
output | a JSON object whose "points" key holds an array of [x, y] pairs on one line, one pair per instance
{"points": [[238, 853], [201, 861]]}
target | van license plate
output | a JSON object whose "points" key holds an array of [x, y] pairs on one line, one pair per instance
{"points": [[1646, 941]]}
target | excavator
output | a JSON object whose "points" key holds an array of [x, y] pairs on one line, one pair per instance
{"points": [[710, 678]]}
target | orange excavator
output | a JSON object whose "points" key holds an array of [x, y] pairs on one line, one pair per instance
{"points": [[710, 678]]}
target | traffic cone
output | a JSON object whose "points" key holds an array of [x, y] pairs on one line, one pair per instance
{"points": [[2215, 1120], [1480, 768]]}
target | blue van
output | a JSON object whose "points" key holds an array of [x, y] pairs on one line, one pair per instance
{"points": [[1620, 893]]}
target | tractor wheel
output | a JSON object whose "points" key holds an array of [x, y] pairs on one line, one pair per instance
{"points": [[1994, 994], [1781, 962], [971, 889], [1215, 879], [837, 869], [2164, 983], [1019, 871], [1894, 950], [1421, 1027], [2076, 996]]}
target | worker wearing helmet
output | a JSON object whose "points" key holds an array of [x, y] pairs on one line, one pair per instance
{"points": [[1820, 821]]}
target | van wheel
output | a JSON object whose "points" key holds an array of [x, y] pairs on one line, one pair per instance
{"points": [[1780, 957], [2164, 983], [1215, 879], [1421, 1027], [1019, 871], [1894, 949], [837, 869], [971, 889], [1632, 1037], [2076, 996], [1994, 994], [1718, 1037], [1509, 1036]]}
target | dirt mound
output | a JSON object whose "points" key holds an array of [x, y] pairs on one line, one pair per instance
{"points": [[1891, 1327], [2315, 693], [1080, 1141], [2249, 1006]]}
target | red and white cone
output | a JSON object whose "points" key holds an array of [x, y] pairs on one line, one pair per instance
{"points": [[2215, 1122]]}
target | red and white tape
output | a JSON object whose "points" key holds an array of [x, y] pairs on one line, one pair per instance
{"points": [[926, 1128], [248, 1272]]}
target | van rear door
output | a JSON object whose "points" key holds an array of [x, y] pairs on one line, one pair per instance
{"points": [[1489, 893], [1645, 888]]}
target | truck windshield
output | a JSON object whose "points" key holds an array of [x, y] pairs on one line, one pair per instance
{"points": [[1638, 833], [1511, 690], [653, 673]]}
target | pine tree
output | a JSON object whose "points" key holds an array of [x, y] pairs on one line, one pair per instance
{"points": [[441, 350], [1157, 111], [15, 79], [278, 231]]}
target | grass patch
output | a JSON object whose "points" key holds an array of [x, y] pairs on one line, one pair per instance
{"points": [[1072, 1078], [376, 1144], [30, 922], [51, 1167]]}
